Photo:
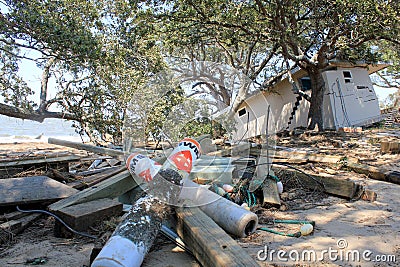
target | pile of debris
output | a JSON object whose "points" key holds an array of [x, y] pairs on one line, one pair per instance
{"points": [[81, 190]]}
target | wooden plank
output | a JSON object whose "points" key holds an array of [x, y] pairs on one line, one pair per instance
{"points": [[303, 157], [35, 189], [11, 216], [8, 229], [332, 185], [18, 163], [390, 147], [240, 149], [393, 177], [269, 187], [81, 216], [209, 243], [370, 171], [96, 178], [95, 149], [110, 188]]}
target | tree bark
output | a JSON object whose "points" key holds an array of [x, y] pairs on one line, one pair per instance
{"points": [[44, 84], [315, 118]]}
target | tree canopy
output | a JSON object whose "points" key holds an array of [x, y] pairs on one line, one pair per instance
{"points": [[96, 53]]}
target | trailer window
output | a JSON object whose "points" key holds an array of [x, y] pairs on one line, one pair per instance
{"points": [[242, 112], [347, 76]]}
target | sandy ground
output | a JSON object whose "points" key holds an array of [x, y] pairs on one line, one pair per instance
{"points": [[369, 230]]}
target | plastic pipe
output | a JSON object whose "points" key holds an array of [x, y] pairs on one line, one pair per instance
{"points": [[233, 218]]}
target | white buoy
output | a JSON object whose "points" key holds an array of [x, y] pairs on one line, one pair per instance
{"points": [[306, 229]]}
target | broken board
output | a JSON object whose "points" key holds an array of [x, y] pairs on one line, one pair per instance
{"points": [[34, 189]]}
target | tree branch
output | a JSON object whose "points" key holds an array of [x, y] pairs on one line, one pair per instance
{"points": [[33, 115]]}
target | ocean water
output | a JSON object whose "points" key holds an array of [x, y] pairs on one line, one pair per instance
{"points": [[17, 130]]}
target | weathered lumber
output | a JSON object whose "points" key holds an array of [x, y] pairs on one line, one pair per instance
{"points": [[240, 149], [303, 157], [10, 168], [58, 176], [269, 187], [11, 216], [9, 172], [96, 171], [10, 228], [393, 177], [34, 189], [331, 184], [81, 216], [95, 149], [94, 179], [375, 173], [390, 147], [110, 188], [24, 162], [209, 243]]}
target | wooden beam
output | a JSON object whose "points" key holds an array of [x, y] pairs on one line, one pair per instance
{"points": [[303, 157], [390, 147], [81, 216], [209, 243], [332, 184], [110, 188], [35, 189], [235, 150], [370, 171]]}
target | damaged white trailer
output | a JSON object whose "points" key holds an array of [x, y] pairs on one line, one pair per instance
{"points": [[349, 100]]}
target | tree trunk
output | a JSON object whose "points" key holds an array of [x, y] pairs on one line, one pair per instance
{"points": [[315, 118]]}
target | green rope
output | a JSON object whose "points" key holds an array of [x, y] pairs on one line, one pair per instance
{"points": [[273, 177], [297, 234], [294, 222]]}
